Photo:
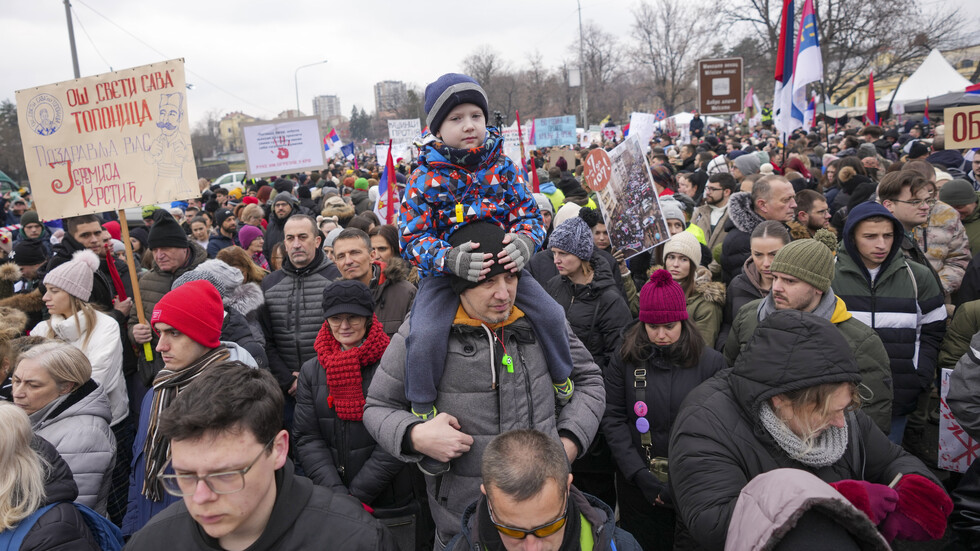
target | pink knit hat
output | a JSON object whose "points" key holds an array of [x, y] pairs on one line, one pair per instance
{"points": [[662, 300]]}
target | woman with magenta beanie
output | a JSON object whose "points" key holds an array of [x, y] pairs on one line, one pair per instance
{"points": [[252, 241]]}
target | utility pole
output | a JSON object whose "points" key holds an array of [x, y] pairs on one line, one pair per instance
{"points": [[581, 65], [71, 40]]}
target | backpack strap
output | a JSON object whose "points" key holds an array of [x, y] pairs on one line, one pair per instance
{"points": [[11, 540], [107, 534]]}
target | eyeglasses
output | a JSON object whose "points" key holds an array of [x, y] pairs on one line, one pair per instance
{"points": [[228, 482], [542, 531], [916, 203], [709, 188], [349, 319]]}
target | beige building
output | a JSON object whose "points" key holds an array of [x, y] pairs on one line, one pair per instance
{"points": [[230, 129]]}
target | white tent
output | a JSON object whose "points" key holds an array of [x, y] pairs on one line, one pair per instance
{"points": [[683, 119], [934, 77]]}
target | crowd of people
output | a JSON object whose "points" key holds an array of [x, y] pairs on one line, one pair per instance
{"points": [[489, 370]]}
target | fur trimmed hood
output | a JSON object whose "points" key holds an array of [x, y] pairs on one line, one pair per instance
{"points": [[13, 322], [10, 272], [25, 302], [341, 212], [397, 269], [741, 214], [245, 299], [711, 291]]}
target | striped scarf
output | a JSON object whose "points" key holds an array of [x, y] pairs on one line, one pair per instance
{"points": [[167, 385]]}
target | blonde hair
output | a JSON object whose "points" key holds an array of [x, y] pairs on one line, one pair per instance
{"points": [[251, 211], [817, 397], [22, 475], [62, 361], [78, 308]]}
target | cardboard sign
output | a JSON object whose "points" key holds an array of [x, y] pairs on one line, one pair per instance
{"points": [[555, 131], [402, 133], [629, 202], [956, 449], [962, 127], [720, 86], [108, 142], [282, 146], [512, 144]]}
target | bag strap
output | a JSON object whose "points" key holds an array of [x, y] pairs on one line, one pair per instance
{"points": [[640, 389], [11, 540]]}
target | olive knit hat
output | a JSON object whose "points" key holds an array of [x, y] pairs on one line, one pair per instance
{"points": [[808, 260]]}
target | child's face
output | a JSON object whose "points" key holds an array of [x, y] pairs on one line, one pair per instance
{"points": [[464, 127]]}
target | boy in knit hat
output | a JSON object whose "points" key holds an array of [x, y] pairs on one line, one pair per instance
{"points": [[463, 177]]}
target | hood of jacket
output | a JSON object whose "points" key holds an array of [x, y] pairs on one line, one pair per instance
{"points": [[340, 211], [949, 158], [790, 350], [395, 270], [246, 298], [741, 214], [856, 216], [547, 187], [88, 399], [712, 291]]}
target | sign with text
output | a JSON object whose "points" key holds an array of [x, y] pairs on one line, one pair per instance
{"points": [[720, 86], [956, 449], [629, 199], [282, 146], [512, 142], [643, 125], [402, 133], [108, 142], [555, 131], [962, 127], [398, 152], [598, 169]]}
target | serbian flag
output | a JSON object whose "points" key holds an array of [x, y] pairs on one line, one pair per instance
{"points": [[810, 114], [385, 205], [807, 65], [784, 117], [626, 130], [331, 142], [925, 117], [974, 89], [871, 117]]}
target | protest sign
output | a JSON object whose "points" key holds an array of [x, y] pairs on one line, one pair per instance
{"points": [[555, 131], [962, 127], [282, 146], [398, 152], [402, 132], [598, 169], [612, 133], [629, 200], [643, 126], [512, 144], [109, 141], [956, 449]]}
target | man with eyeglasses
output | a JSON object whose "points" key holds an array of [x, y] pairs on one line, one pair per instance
{"points": [[712, 216], [230, 468], [899, 299], [528, 502]]}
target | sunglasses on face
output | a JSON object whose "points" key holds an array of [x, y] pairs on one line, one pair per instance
{"points": [[542, 531]]}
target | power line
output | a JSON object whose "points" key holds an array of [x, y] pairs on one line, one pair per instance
{"points": [[166, 57], [89, 37]]}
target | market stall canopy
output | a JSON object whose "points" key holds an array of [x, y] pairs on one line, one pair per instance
{"points": [[954, 99], [934, 77]]}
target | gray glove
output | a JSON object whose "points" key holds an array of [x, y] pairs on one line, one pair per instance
{"points": [[520, 249], [464, 263]]}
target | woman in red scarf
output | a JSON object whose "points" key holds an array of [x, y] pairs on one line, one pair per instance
{"points": [[334, 448]]}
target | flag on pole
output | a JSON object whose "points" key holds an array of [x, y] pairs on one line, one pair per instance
{"points": [[626, 130], [384, 206], [925, 117], [871, 117], [974, 89], [520, 139], [783, 94], [332, 143], [807, 65], [749, 105], [810, 115]]}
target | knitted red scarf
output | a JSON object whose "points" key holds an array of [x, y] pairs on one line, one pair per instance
{"points": [[343, 368]]}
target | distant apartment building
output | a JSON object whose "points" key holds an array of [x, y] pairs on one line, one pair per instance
{"points": [[326, 107], [388, 95], [230, 130]]}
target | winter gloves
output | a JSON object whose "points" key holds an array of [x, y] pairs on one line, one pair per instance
{"points": [[465, 263], [519, 250], [916, 509], [470, 264]]}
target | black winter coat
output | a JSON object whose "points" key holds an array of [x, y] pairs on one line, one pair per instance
{"points": [[596, 311], [667, 386], [236, 329], [340, 454], [718, 443], [542, 267], [63, 527]]}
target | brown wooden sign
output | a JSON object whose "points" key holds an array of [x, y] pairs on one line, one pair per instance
{"points": [[720, 86]]}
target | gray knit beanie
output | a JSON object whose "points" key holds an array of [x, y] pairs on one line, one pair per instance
{"points": [[672, 210], [747, 164], [75, 276], [573, 236], [807, 260]]}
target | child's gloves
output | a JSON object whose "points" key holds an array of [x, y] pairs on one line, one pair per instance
{"points": [[922, 510], [874, 500], [518, 250], [466, 264]]}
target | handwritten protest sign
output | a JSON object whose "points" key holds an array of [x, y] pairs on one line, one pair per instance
{"points": [[629, 200], [512, 144], [956, 449], [282, 146], [109, 141], [402, 133], [398, 152], [555, 131]]}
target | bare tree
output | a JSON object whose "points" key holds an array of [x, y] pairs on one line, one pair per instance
{"points": [[670, 38], [206, 137], [11, 151], [604, 68]]}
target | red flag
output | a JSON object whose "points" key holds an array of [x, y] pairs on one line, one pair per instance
{"points": [[390, 170], [536, 184], [520, 138], [871, 117]]}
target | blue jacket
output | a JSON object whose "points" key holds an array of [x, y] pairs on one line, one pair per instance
{"points": [[494, 192]]}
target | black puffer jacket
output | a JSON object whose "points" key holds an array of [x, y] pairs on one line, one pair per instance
{"points": [[666, 387], [236, 329], [292, 314], [742, 220], [63, 527], [542, 267], [340, 454], [596, 311], [718, 443]]}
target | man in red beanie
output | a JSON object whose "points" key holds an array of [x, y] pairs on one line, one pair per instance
{"points": [[188, 322]]}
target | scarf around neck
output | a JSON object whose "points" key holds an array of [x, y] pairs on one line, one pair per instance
{"points": [[166, 387], [343, 368], [827, 448], [474, 158]]}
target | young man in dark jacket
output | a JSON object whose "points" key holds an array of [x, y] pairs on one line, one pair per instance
{"points": [[228, 450]]}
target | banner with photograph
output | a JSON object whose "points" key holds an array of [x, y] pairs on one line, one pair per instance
{"points": [[108, 142]]}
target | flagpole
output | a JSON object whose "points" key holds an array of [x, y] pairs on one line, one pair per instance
{"points": [[826, 127]]}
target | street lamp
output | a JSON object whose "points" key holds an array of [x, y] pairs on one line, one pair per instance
{"points": [[296, 80]]}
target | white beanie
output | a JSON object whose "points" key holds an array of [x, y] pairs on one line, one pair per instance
{"points": [[75, 277]]}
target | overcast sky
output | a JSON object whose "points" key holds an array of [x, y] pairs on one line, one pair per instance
{"points": [[242, 55]]}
